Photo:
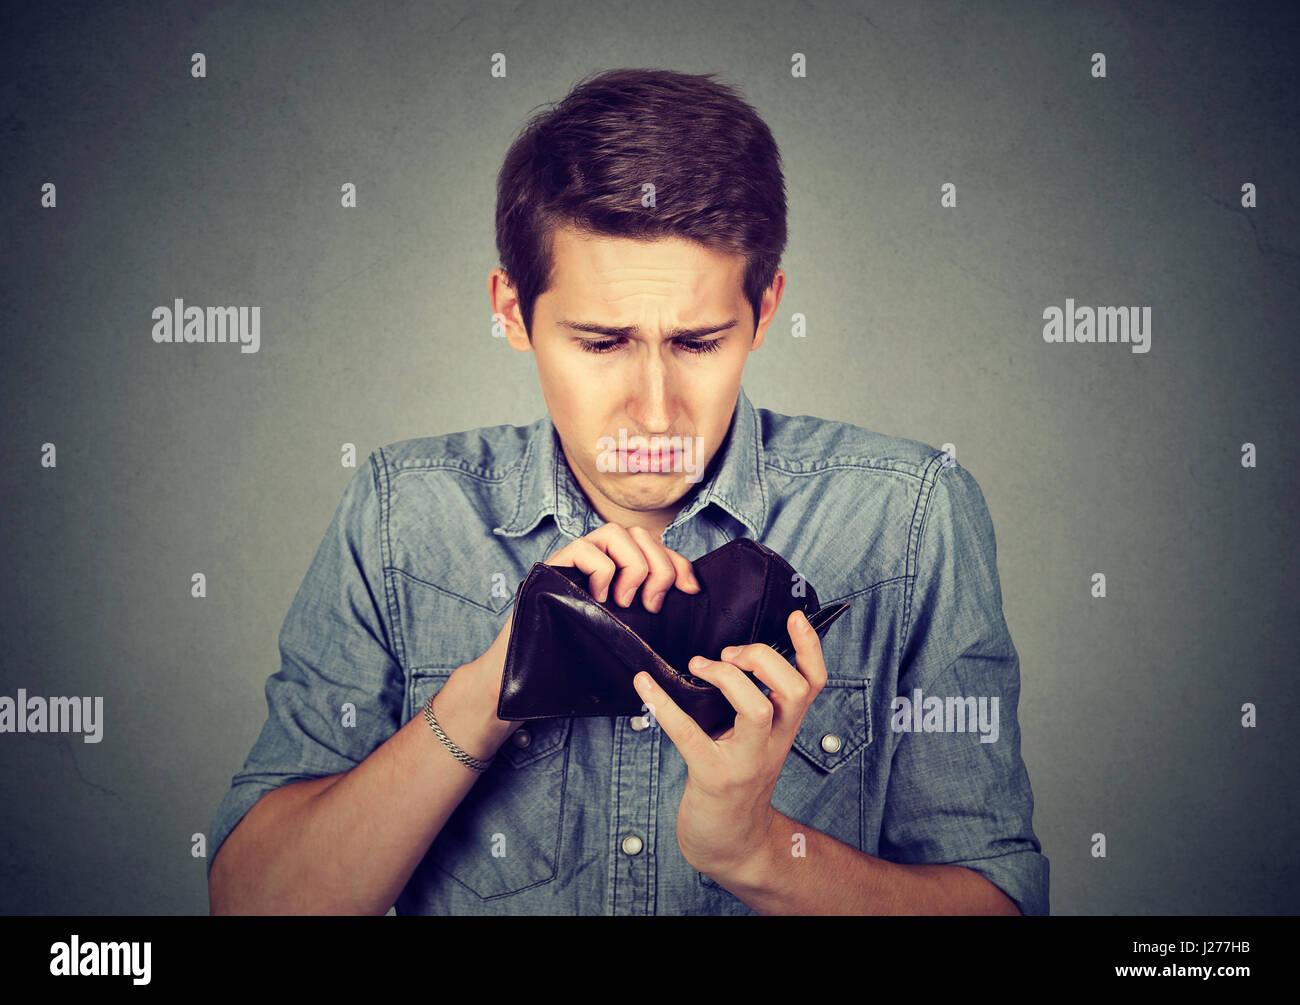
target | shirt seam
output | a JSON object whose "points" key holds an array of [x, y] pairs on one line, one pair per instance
{"points": [[926, 683], [833, 463], [613, 819], [866, 589], [379, 471], [446, 592], [652, 828], [920, 518], [491, 474]]}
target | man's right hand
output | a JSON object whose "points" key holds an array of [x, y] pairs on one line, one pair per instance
{"points": [[618, 561]]}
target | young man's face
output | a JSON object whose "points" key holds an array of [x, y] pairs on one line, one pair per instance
{"points": [[650, 380]]}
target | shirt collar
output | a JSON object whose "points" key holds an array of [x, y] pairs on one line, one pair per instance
{"points": [[547, 486]]}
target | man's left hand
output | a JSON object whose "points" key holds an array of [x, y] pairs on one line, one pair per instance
{"points": [[726, 816]]}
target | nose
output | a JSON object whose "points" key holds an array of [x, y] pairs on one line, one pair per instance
{"points": [[651, 399]]}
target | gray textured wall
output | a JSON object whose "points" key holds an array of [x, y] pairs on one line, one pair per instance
{"points": [[924, 322]]}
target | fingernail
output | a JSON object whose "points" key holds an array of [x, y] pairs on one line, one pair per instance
{"points": [[696, 661], [729, 652], [656, 602]]}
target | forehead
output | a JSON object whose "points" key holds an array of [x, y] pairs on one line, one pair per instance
{"points": [[605, 268]]}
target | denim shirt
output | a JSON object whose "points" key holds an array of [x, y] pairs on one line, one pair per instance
{"points": [[416, 575]]}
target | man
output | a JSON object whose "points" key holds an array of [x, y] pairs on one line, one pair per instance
{"points": [[640, 225]]}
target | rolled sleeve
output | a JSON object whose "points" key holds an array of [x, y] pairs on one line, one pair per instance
{"points": [[952, 798], [339, 691]]}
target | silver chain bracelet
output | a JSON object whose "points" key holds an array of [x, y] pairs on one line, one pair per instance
{"points": [[466, 759]]}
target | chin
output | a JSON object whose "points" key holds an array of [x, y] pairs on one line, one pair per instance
{"points": [[649, 496]]}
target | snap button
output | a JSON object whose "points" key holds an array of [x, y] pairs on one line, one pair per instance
{"points": [[521, 738], [831, 743], [631, 844], [638, 723]]}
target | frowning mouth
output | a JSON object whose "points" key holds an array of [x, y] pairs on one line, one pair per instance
{"points": [[658, 454], [647, 460]]}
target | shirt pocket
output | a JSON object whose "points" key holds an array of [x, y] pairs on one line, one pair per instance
{"points": [[504, 837], [822, 779]]}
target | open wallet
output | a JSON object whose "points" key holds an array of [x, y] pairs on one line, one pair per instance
{"points": [[571, 655]]}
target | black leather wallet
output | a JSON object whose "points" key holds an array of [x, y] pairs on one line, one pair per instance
{"points": [[570, 655]]}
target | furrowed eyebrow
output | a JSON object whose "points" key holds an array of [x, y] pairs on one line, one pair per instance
{"points": [[628, 331]]}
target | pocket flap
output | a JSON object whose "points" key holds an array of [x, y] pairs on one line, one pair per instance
{"points": [[837, 724]]}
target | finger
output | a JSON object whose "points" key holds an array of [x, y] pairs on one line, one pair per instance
{"points": [[662, 573], [687, 581], [790, 677], [582, 554], [809, 657], [785, 683], [754, 713], [790, 692], [633, 566], [613, 560], [692, 743], [612, 548]]}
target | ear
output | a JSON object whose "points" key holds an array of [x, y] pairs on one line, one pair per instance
{"points": [[771, 301], [506, 310]]}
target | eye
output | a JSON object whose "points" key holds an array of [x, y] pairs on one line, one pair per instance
{"points": [[598, 347], [698, 347]]}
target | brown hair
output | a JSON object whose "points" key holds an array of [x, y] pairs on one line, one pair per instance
{"points": [[713, 162]]}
